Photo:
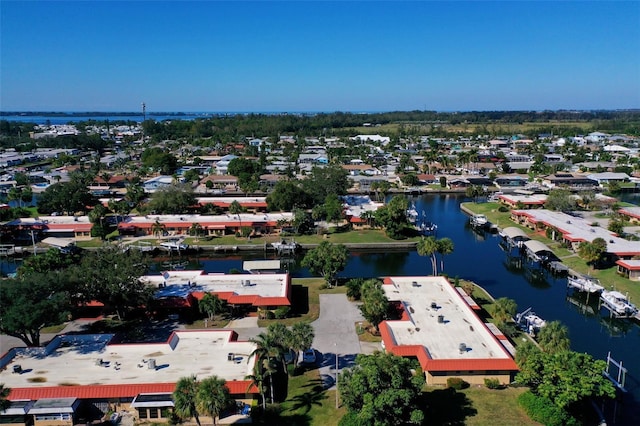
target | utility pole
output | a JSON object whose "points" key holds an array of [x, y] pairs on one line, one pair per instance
{"points": [[144, 118], [337, 404]]}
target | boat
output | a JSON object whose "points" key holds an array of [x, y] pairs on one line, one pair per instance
{"points": [[529, 321], [584, 283], [479, 220], [618, 303], [412, 214], [285, 247], [174, 244], [427, 228]]}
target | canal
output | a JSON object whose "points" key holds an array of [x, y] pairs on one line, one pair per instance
{"points": [[479, 258]]}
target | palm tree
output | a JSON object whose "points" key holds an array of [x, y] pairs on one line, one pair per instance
{"points": [[185, 398], [4, 395], [267, 349], [368, 216], [211, 304], [503, 310], [257, 379], [428, 247], [302, 335], [157, 229], [444, 247], [195, 229], [235, 209], [212, 397], [554, 337]]}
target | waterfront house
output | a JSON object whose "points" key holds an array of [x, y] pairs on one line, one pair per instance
{"points": [[439, 327]]}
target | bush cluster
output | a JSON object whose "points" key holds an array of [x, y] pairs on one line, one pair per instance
{"points": [[492, 383], [542, 410], [457, 383]]}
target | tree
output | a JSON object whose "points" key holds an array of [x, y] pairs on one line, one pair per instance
{"points": [[565, 377], [185, 398], [195, 229], [235, 209], [554, 337], [158, 228], [287, 195], [429, 247], [560, 200], [112, 277], [616, 226], [375, 304], [268, 352], [381, 390], [135, 194], [50, 261], [32, 302], [444, 247], [301, 338], [244, 169], [67, 197], [393, 217], [333, 208], [257, 379], [159, 159], [212, 397], [326, 260], [211, 304], [593, 251], [4, 397], [503, 310], [324, 181], [172, 199]]}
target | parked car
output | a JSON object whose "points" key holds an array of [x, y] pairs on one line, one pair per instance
{"points": [[308, 357], [289, 356]]}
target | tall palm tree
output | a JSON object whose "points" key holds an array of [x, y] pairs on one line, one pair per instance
{"points": [[266, 352], [257, 379], [235, 209], [157, 229], [444, 247], [554, 337], [185, 398], [211, 304], [302, 335], [196, 230], [212, 397], [428, 247]]}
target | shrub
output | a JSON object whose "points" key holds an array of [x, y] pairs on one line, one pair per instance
{"points": [[503, 209], [282, 312], [456, 383], [492, 383], [542, 410]]}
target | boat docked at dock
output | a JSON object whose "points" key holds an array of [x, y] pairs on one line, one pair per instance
{"points": [[478, 220], [529, 321], [174, 244], [618, 304], [584, 283]]}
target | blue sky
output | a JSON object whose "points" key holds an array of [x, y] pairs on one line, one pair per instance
{"points": [[319, 56]]}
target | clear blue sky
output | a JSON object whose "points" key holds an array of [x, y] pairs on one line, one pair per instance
{"points": [[319, 56]]}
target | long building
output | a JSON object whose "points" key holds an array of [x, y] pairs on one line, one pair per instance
{"points": [[78, 378], [439, 328]]}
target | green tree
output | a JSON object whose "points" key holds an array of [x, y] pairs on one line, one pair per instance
{"points": [[429, 247], [324, 181], [160, 160], [211, 305], [616, 226], [326, 260], [333, 208], [112, 277], [444, 247], [393, 217], [560, 200], [135, 194], [244, 169], [172, 199], [554, 337], [381, 390], [565, 377], [268, 353], [67, 197], [212, 397], [49, 261], [4, 397], [158, 228], [593, 251], [32, 302], [375, 304], [301, 338], [287, 195], [196, 230], [257, 379], [185, 398]]}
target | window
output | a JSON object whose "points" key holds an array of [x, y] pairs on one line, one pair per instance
{"points": [[154, 413], [142, 413]]}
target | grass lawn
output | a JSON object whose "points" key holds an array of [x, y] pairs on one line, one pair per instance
{"points": [[496, 407], [53, 329], [305, 295]]}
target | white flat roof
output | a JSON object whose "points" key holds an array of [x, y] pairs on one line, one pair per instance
{"points": [[74, 360], [181, 283], [441, 339]]}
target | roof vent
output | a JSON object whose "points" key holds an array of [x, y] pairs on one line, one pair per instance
{"points": [[463, 348], [151, 364]]}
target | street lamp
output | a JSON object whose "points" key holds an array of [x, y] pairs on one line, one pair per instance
{"points": [[336, 347]]}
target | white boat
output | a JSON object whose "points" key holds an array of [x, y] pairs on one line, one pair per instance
{"points": [[412, 214], [618, 303], [585, 283], [529, 321], [427, 228], [174, 244], [478, 220]]}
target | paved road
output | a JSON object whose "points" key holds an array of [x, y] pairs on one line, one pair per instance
{"points": [[335, 332]]}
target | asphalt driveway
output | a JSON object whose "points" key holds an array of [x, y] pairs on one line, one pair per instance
{"points": [[335, 332]]}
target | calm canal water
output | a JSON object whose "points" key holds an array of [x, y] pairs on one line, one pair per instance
{"points": [[479, 257]]}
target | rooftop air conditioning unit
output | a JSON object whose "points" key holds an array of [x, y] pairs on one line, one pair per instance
{"points": [[151, 364]]}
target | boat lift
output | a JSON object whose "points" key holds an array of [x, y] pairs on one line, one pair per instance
{"points": [[621, 376]]}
